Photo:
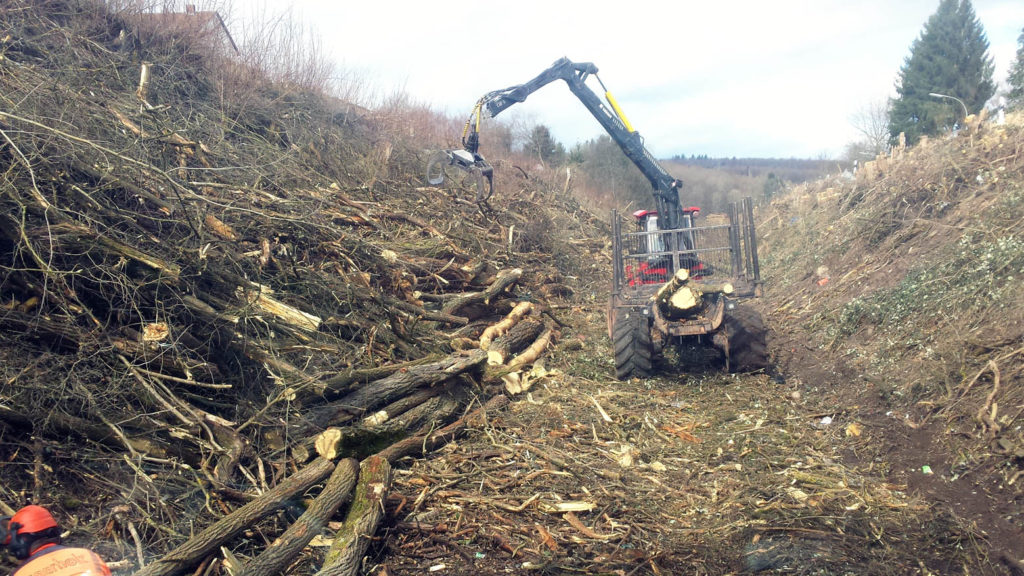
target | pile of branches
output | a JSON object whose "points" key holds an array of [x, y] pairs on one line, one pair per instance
{"points": [[205, 311]]}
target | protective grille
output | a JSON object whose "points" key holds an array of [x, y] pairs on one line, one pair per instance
{"points": [[652, 257]]}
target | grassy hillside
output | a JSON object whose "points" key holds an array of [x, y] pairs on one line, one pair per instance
{"points": [[895, 298]]}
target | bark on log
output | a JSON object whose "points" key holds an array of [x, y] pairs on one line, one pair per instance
{"points": [[192, 552], [427, 314], [16, 420], [533, 352], [276, 557], [246, 346], [386, 390], [352, 539], [446, 272], [346, 381], [518, 338], [402, 405], [434, 413], [429, 441], [86, 239], [383, 424], [65, 337], [399, 384], [159, 359], [503, 280], [259, 297]]}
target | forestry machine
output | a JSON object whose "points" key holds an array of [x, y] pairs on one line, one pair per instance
{"points": [[661, 293]]}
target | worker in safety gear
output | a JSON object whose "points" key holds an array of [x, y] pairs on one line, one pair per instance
{"points": [[32, 536]]}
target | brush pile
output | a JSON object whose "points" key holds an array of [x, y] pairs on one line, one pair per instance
{"points": [[212, 290]]}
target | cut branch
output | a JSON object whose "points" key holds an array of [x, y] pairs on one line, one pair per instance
{"points": [[280, 553], [492, 332], [459, 306], [352, 539], [193, 551], [518, 338], [387, 390], [429, 441]]}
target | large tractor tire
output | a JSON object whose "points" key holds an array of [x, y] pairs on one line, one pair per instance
{"points": [[631, 340], [747, 349]]}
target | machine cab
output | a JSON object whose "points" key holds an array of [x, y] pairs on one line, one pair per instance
{"points": [[647, 221], [656, 266]]}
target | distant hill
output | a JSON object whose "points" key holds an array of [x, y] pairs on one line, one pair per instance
{"points": [[792, 170]]}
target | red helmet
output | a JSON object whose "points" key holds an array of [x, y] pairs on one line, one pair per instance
{"points": [[33, 519], [32, 525]]}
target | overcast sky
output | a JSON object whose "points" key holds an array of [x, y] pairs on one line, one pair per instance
{"points": [[740, 78]]}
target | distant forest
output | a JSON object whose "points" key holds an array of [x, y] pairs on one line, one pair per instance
{"points": [[610, 180], [791, 170]]}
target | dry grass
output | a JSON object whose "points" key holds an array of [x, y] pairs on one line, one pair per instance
{"points": [[906, 279]]}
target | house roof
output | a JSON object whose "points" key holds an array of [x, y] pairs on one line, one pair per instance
{"points": [[190, 22]]}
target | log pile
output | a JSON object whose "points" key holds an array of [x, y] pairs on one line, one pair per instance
{"points": [[195, 317], [679, 298]]}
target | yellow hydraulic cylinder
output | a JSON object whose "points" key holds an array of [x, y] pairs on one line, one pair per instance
{"points": [[618, 111]]}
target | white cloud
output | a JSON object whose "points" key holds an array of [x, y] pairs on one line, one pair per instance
{"points": [[729, 78]]}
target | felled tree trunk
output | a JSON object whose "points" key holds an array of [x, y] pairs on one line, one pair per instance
{"points": [[360, 524], [506, 324], [386, 390], [463, 304], [62, 336], [533, 351], [192, 552], [681, 298], [518, 337], [276, 557], [392, 423], [348, 380], [430, 440]]}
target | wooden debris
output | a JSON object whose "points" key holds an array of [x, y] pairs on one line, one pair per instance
{"points": [[260, 298], [533, 351], [430, 439], [679, 297], [367, 509], [468, 305], [514, 340], [192, 552], [387, 390], [279, 554], [500, 328]]}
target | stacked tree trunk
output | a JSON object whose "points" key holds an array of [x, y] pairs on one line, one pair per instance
{"points": [[681, 298]]}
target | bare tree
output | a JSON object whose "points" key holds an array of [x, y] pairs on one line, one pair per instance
{"points": [[872, 121]]}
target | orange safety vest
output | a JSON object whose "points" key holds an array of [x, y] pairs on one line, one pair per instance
{"points": [[61, 561]]}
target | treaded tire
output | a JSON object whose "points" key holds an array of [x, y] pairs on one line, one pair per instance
{"points": [[748, 346], [631, 341]]}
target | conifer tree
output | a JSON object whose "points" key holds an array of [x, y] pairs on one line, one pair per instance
{"points": [[1016, 78], [950, 58], [544, 146]]}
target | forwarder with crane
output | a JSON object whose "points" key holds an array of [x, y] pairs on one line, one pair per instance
{"points": [[660, 290]]}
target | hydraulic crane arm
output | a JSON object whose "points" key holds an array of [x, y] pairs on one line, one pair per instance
{"points": [[611, 118]]}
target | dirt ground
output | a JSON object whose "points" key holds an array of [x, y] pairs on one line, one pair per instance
{"points": [[701, 473]]}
